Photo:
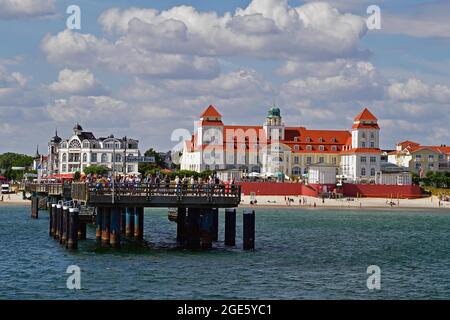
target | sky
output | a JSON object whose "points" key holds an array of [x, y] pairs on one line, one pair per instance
{"points": [[144, 69]]}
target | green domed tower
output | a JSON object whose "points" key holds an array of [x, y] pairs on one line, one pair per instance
{"points": [[274, 124]]}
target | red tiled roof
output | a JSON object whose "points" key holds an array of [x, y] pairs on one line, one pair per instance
{"points": [[211, 111], [365, 115]]}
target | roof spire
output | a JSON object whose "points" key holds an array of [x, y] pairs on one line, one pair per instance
{"points": [[37, 155]]}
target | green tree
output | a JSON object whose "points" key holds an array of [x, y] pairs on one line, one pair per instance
{"points": [[99, 170], [77, 176], [146, 168], [9, 160]]}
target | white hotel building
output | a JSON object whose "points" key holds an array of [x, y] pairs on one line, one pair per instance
{"points": [[83, 149]]}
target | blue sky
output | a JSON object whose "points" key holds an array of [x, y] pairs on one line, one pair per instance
{"points": [[142, 73]]}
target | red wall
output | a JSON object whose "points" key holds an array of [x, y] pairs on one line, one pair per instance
{"points": [[349, 190], [381, 191], [277, 189]]}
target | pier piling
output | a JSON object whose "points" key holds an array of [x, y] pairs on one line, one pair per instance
{"points": [[72, 240], [98, 224], [207, 229], [114, 237], [82, 231], [249, 229], [57, 221], [181, 225], [193, 228], [51, 225], [35, 207], [106, 222], [139, 223], [65, 225], [129, 220], [215, 224], [230, 227], [123, 221]]}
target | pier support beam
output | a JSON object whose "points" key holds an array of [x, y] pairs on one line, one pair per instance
{"points": [[193, 228], [57, 221], [129, 221], [65, 225], [230, 227], [181, 225], [215, 224], [98, 224], [207, 229], [249, 229], [51, 222], [106, 221], [82, 231], [114, 236], [35, 207], [123, 221], [72, 239], [139, 223]]}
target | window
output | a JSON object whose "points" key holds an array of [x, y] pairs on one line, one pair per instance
{"points": [[373, 159], [431, 166], [418, 166], [104, 157], [372, 144], [64, 168], [86, 144], [296, 171], [363, 144], [333, 140], [296, 139], [296, 147], [64, 145], [296, 160], [441, 157], [321, 148], [84, 157], [308, 160], [64, 157], [118, 158], [308, 139], [94, 157], [309, 147], [333, 148], [305, 171], [372, 172], [75, 144], [321, 159], [418, 157], [364, 135], [363, 172], [334, 161], [363, 159], [321, 140], [372, 135], [431, 157]]}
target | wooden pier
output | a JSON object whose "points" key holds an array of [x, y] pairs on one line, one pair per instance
{"points": [[118, 211]]}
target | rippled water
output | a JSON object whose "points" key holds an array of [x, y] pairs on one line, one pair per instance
{"points": [[301, 254]]}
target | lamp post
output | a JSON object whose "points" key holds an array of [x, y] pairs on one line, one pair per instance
{"points": [[113, 171]]}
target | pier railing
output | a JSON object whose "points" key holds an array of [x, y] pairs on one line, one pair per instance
{"points": [[143, 193]]}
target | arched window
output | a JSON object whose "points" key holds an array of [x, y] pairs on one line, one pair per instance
{"points": [[86, 144], [64, 168], [118, 158], [363, 172], [64, 145], [84, 157], [64, 157], [296, 171], [104, 157], [75, 144], [372, 172]]}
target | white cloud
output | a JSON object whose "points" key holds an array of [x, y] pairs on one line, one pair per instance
{"points": [[14, 9], [266, 28], [414, 89], [77, 82]]}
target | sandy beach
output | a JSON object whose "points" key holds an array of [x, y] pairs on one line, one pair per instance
{"points": [[352, 203], [13, 199]]}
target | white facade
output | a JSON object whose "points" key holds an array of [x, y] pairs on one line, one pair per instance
{"points": [[322, 174], [83, 150]]}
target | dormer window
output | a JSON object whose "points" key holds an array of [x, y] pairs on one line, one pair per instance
{"points": [[321, 148], [333, 140], [321, 140], [296, 139], [308, 139], [333, 148], [296, 147], [309, 147]]}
